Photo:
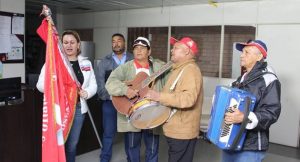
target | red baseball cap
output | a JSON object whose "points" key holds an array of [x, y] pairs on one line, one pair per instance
{"points": [[191, 44]]}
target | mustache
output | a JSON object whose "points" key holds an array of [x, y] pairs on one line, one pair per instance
{"points": [[118, 48]]}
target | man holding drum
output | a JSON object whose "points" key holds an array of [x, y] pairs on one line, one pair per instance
{"points": [[183, 92], [116, 86]]}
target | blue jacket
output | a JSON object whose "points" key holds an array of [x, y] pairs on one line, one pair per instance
{"points": [[267, 90], [104, 67]]}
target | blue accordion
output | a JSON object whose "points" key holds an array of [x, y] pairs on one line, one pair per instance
{"points": [[229, 136]]}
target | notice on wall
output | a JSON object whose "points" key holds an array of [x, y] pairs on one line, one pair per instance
{"points": [[16, 51], [5, 25], [5, 31], [12, 29], [17, 25], [5, 43]]}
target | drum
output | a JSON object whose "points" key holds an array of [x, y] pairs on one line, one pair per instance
{"points": [[146, 114]]}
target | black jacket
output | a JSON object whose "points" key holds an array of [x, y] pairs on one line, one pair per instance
{"points": [[267, 90]]}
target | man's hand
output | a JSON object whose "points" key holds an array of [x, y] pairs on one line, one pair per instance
{"points": [[235, 117], [152, 95], [131, 93]]}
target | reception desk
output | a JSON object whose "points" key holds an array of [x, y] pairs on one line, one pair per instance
{"points": [[20, 129]]}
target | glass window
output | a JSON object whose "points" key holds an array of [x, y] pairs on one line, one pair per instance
{"points": [[231, 57], [208, 39], [158, 37]]}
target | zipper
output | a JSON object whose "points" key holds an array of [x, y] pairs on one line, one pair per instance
{"points": [[152, 147], [259, 140], [132, 138]]}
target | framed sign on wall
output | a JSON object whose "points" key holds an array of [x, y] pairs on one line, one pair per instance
{"points": [[11, 37]]}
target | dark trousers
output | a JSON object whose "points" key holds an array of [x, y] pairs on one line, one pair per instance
{"points": [[133, 145], [109, 116], [181, 150]]}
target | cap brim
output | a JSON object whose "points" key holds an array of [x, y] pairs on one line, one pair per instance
{"points": [[140, 44], [173, 40], [240, 46]]}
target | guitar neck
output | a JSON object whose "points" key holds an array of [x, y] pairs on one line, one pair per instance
{"points": [[153, 76]]}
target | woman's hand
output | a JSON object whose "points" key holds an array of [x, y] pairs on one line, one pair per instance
{"points": [[83, 94]]}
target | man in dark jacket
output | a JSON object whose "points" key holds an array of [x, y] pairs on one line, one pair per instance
{"points": [[109, 114], [261, 81]]}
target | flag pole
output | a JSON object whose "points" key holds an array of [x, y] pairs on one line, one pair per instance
{"points": [[47, 13]]}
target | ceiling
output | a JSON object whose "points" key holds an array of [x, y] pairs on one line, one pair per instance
{"points": [[84, 6]]}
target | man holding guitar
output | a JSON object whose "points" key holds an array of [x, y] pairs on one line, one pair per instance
{"points": [[121, 84], [183, 92]]}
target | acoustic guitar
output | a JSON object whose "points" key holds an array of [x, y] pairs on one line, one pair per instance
{"points": [[141, 83]]}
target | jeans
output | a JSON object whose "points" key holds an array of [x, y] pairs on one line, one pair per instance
{"points": [[243, 156], [133, 145], [109, 116], [73, 138]]}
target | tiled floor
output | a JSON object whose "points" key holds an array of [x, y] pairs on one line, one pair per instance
{"points": [[205, 152]]}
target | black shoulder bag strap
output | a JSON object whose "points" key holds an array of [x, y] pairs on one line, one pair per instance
{"points": [[239, 85], [244, 123]]}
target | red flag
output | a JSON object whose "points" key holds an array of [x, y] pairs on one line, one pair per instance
{"points": [[60, 97]]}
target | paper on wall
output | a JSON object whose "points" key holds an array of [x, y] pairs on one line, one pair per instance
{"points": [[15, 54], [15, 41], [18, 25], [5, 25], [5, 43]]}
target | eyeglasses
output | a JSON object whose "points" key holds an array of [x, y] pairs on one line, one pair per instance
{"points": [[140, 42]]}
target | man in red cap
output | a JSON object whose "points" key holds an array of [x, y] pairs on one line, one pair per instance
{"points": [[183, 92], [260, 80]]}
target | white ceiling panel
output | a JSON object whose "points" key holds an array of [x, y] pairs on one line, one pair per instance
{"points": [[84, 6]]}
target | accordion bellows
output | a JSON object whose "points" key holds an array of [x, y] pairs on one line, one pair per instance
{"points": [[229, 136]]}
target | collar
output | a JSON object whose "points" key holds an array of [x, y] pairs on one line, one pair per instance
{"points": [[123, 54], [118, 60], [138, 65], [257, 68], [182, 64], [80, 57]]}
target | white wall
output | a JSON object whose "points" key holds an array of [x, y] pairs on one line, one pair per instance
{"points": [[284, 54], [13, 69], [277, 22]]}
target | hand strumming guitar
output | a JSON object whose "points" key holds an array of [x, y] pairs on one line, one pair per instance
{"points": [[131, 93]]}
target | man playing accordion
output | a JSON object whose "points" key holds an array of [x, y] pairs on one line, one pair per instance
{"points": [[260, 80]]}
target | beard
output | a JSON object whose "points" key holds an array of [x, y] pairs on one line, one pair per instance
{"points": [[118, 49]]}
